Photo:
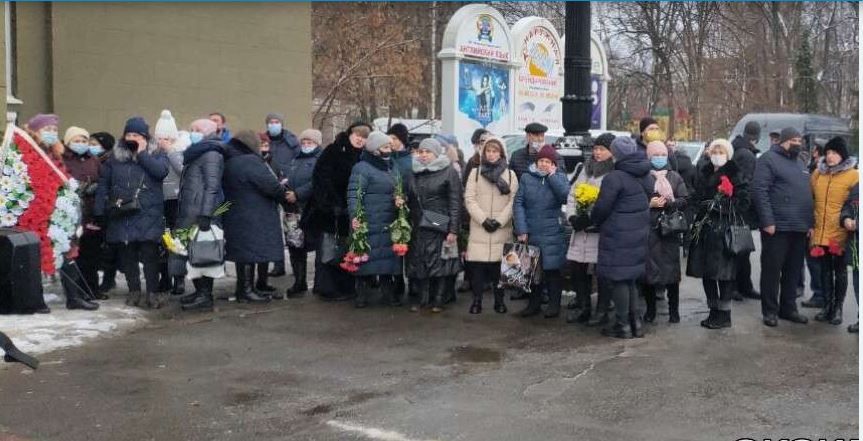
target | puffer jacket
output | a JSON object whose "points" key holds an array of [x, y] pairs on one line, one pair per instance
{"points": [[623, 215], [830, 188], [536, 212], [483, 200], [781, 192], [583, 245], [376, 178], [283, 148], [121, 176], [201, 181], [522, 159]]}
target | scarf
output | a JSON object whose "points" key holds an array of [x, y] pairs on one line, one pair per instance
{"points": [[534, 170], [662, 186], [596, 169], [439, 163], [493, 172]]}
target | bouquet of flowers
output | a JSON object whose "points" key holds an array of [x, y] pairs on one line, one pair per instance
{"points": [[724, 191], [177, 241], [585, 196], [400, 229], [358, 249]]}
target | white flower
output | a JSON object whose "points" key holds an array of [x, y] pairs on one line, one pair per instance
{"points": [[19, 168], [8, 170], [6, 183], [8, 220], [73, 184], [17, 210]]}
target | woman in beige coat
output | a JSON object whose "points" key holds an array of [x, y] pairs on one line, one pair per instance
{"points": [[488, 196]]}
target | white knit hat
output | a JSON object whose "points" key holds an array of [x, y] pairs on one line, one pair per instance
{"points": [[166, 127]]}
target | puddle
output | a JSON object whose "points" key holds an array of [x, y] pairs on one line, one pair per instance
{"points": [[473, 354]]}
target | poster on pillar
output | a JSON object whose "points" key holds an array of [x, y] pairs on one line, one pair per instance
{"points": [[596, 117], [539, 79], [483, 94]]}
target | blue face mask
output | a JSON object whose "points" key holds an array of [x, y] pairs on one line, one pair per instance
{"points": [[48, 138], [96, 150], [79, 148], [308, 149], [196, 137], [659, 162], [274, 129]]}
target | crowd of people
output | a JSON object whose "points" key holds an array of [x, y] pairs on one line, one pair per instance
{"points": [[291, 192]]}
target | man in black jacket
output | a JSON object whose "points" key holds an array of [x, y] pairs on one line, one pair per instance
{"points": [[522, 159], [744, 155], [784, 204]]}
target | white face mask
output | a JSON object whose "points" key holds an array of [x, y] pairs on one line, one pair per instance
{"points": [[718, 160]]}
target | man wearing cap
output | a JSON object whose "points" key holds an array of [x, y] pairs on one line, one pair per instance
{"points": [[522, 159], [744, 155], [783, 201]]}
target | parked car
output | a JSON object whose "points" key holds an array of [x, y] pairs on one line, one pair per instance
{"points": [[811, 126], [572, 155], [693, 149]]}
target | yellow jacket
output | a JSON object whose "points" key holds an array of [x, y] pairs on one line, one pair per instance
{"points": [[830, 188]]}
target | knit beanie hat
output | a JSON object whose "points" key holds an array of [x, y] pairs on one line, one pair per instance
{"points": [[274, 115], [138, 125], [204, 126], [400, 131], [43, 119], [432, 145], [623, 146], [837, 145], [312, 135], [105, 139], [166, 126], [376, 140], [547, 152], [604, 140], [644, 123], [788, 133], [72, 132], [752, 131]]}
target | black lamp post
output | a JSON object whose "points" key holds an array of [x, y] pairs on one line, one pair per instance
{"points": [[577, 99]]}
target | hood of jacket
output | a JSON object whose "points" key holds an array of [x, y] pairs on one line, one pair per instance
{"points": [[195, 151], [634, 164], [741, 143], [847, 164], [235, 148]]}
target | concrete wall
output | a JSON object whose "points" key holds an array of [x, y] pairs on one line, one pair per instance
{"points": [[34, 58], [114, 60]]}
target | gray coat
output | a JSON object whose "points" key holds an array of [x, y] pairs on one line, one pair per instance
{"points": [[171, 184], [201, 183], [781, 193]]}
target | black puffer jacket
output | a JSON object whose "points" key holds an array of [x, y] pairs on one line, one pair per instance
{"points": [[744, 156], [435, 188], [328, 206], [708, 258], [201, 182]]}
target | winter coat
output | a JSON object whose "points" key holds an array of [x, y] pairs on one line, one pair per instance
{"points": [[831, 187], [744, 156], [253, 228], [522, 159], [484, 200], [623, 216], [201, 181], [583, 245], [85, 170], [377, 178], [663, 252], [851, 210], [403, 162], [536, 212], [300, 175], [436, 187], [708, 258], [283, 148], [685, 169], [327, 208], [171, 184], [120, 177], [781, 192]]}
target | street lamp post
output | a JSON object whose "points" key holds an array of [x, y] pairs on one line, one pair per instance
{"points": [[577, 99]]}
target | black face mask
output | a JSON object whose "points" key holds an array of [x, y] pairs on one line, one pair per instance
{"points": [[131, 145], [794, 149], [385, 156]]}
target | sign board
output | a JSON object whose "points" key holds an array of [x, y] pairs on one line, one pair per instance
{"points": [[539, 78]]}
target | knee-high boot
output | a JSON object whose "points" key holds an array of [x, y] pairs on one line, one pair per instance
{"points": [[298, 266], [245, 292], [204, 299]]}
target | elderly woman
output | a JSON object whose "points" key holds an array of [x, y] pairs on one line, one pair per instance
{"points": [[44, 128], [708, 258], [488, 197], [536, 211], [436, 197], [668, 196]]}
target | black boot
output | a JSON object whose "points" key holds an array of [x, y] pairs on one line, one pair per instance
{"points": [[711, 318], [476, 305], [673, 307], [636, 326], [650, 301], [185, 299], [534, 302], [389, 292], [108, 282], [261, 286], [155, 300], [278, 269], [838, 300], [826, 313], [499, 305], [300, 287], [617, 329], [204, 300], [179, 286], [438, 293], [363, 288], [79, 303], [854, 327], [245, 292], [553, 308]]}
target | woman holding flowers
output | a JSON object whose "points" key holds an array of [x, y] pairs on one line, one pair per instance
{"points": [[489, 192], [719, 189], [584, 242], [668, 196], [832, 182], [435, 207], [372, 206]]}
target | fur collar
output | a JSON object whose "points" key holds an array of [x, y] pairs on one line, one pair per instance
{"points": [[123, 154], [439, 163], [847, 164]]}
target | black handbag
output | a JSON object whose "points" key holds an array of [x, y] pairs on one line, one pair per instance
{"points": [[204, 252], [672, 223], [738, 236], [120, 207], [332, 248], [432, 220]]}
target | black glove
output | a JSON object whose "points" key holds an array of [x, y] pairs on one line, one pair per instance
{"points": [[204, 223], [495, 224], [100, 221], [488, 225], [580, 222]]}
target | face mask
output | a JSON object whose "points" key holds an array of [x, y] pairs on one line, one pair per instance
{"points": [[48, 138], [96, 150], [535, 145], [653, 135], [385, 156], [79, 148], [196, 137], [718, 160], [274, 129], [659, 162], [307, 149], [794, 149], [131, 145]]}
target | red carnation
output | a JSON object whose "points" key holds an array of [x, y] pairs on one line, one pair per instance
{"points": [[834, 248], [725, 186], [816, 251]]}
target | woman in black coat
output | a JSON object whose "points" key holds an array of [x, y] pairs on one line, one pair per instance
{"points": [[623, 217], [328, 207], [708, 258], [253, 229], [668, 195], [134, 172], [200, 195], [436, 188]]}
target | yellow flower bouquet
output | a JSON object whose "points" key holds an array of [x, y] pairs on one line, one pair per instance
{"points": [[585, 196]]}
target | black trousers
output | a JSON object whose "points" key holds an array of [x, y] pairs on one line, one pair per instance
{"points": [[625, 295], [481, 274], [428, 291], [719, 293], [743, 282], [582, 283], [147, 253], [834, 276], [781, 264], [551, 284], [171, 210], [89, 256]]}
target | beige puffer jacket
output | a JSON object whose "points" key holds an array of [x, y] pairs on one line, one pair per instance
{"points": [[483, 200]]}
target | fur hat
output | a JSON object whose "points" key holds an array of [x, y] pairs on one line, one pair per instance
{"points": [[72, 132], [204, 126], [274, 115], [400, 131], [432, 145], [837, 145], [105, 139], [166, 126], [724, 144], [604, 140], [376, 140], [312, 135], [43, 119]]}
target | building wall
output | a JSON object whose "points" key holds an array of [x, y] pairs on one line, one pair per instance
{"points": [[33, 39], [114, 60]]}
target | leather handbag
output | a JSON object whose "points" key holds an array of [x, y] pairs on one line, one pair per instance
{"points": [[432, 220], [332, 248], [672, 223], [738, 236], [120, 207], [206, 249]]}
